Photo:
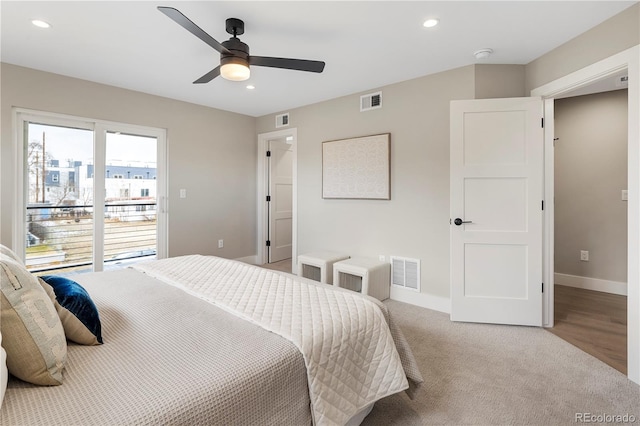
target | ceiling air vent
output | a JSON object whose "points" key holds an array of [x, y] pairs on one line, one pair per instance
{"points": [[405, 273], [282, 120], [370, 101], [622, 81]]}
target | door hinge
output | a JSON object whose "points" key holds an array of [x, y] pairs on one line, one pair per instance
{"points": [[542, 122], [268, 197], [542, 204], [543, 287], [268, 153], [268, 243]]}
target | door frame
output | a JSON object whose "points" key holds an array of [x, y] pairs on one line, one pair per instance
{"points": [[630, 60], [99, 128], [262, 190]]}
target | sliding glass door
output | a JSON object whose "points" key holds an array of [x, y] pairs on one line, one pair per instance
{"points": [[131, 204], [91, 195], [59, 205]]}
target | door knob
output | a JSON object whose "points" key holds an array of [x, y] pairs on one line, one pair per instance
{"points": [[459, 221]]}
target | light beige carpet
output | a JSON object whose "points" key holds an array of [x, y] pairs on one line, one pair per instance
{"points": [[480, 374]]}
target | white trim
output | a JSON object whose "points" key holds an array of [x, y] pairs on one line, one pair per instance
{"points": [[629, 59], [585, 76], [99, 180], [548, 255], [587, 283], [427, 301], [261, 219]]}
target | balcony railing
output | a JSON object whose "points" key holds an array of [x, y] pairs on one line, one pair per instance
{"points": [[60, 238]]}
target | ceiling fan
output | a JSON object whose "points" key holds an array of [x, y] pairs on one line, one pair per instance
{"points": [[234, 54]]}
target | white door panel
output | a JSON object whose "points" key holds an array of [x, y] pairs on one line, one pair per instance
{"points": [[496, 186], [504, 145], [281, 204], [481, 197]]}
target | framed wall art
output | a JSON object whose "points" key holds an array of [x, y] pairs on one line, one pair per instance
{"points": [[357, 168]]}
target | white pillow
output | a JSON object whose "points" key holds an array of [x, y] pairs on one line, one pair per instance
{"points": [[4, 372], [8, 252]]}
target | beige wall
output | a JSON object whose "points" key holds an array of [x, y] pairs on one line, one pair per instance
{"points": [[590, 173], [499, 81], [612, 36], [211, 154], [415, 222]]}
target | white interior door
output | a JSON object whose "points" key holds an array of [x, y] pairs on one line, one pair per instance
{"points": [[281, 197], [496, 211]]}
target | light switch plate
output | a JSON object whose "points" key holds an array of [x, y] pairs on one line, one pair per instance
{"points": [[625, 195]]}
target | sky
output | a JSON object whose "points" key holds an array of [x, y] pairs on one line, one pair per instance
{"points": [[63, 143]]}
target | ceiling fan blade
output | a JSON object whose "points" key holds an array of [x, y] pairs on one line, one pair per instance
{"points": [[208, 76], [289, 64], [188, 25]]}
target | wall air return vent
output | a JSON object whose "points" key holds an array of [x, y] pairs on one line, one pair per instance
{"points": [[282, 120], [405, 273], [371, 101]]}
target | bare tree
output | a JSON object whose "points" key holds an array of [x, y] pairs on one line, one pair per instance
{"points": [[36, 173]]}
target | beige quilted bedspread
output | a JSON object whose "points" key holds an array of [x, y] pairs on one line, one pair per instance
{"points": [[168, 359], [344, 338]]}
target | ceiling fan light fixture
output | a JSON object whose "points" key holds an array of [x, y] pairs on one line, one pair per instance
{"points": [[235, 71], [234, 68]]}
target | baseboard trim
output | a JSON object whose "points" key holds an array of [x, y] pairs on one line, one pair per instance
{"points": [[435, 303], [605, 286], [248, 259]]}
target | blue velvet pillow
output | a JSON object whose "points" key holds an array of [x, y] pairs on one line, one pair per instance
{"points": [[75, 299]]}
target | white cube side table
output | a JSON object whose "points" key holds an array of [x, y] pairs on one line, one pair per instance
{"points": [[318, 266], [371, 277]]}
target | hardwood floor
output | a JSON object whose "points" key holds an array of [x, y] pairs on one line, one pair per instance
{"points": [[593, 321]]}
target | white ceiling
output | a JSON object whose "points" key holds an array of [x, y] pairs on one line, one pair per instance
{"points": [[365, 44]]}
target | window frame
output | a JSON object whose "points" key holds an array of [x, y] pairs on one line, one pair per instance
{"points": [[22, 116]]}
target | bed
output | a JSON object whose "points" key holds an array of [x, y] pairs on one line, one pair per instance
{"points": [[204, 340]]}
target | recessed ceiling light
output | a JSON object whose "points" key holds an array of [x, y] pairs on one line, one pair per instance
{"points": [[251, 87], [430, 23], [40, 23]]}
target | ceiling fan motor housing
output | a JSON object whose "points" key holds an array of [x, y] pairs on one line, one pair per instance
{"points": [[239, 52]]}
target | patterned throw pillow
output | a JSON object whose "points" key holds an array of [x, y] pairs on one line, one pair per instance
{"points": [[32, 333], [77, 311]]}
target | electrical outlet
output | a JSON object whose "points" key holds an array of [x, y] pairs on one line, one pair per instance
{"points": [[220, 243], [183, 193], [381, 258], [584, 255]]}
